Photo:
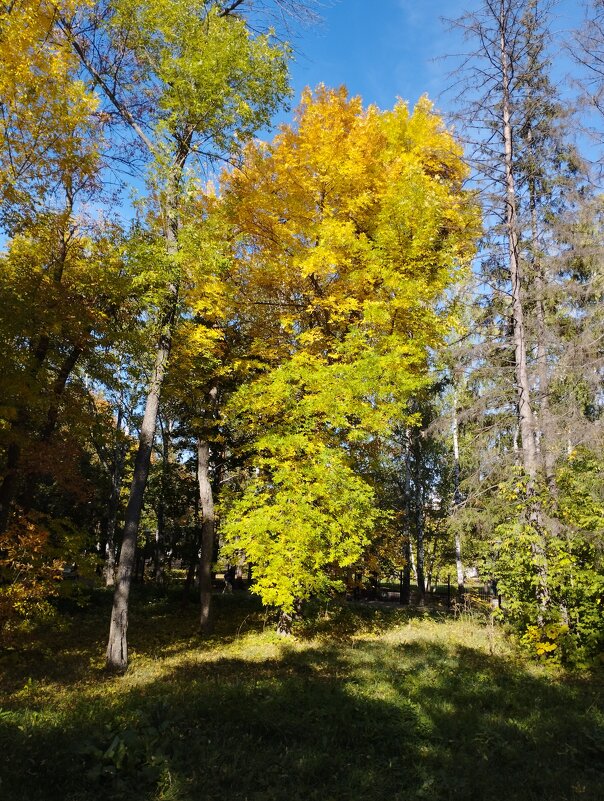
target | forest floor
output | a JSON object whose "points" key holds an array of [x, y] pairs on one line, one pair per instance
{"points": [[363, 703]]}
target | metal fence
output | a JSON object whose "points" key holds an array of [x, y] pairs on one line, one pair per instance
{"points": [[446, 594]]}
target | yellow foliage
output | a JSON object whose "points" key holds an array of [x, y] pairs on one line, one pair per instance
{"points": [[29, 573], [45, 125], [544, 641], [349, 227], [353, 213]]}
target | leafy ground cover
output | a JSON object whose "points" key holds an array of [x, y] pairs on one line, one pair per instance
{"points": [[364, 703]]}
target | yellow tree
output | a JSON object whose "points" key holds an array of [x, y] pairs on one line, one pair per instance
{"points": [[45, 131], [49, 162], [350, 227]]}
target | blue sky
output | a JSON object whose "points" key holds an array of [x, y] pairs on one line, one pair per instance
{"points": [[381, 50], [384, 49]]}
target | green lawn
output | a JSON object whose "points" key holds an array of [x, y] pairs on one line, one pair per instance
{"points": [[365, 703]]}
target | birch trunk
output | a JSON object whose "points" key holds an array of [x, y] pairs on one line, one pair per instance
{"points": [[207, 534], [457, 496]]}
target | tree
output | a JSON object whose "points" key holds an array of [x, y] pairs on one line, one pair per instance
{"points": [[62, 306], [350, 226], [535, 187], [144, 62], [48, 163], [510, 36], [47, 144]]}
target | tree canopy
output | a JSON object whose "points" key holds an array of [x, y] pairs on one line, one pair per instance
{"points": [[362, 350]]}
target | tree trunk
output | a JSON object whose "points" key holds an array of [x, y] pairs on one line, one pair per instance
{"points": [[407, 550], [186, 590], [430, 564], [159, 551], [119, 458], [515, 440], [406, 578], [545, 418], [525, 412], [457, 497], [207, 534], [117, 648], [412, 559], [67, 367], [286, 619], [419, 533]]}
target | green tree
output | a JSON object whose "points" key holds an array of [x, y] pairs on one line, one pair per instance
{"points": [[144, 61], [530, 311]]}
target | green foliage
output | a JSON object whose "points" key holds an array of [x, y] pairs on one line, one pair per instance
{"points": [[138, 754], [569, 548], [303, 518], [207, 74]]}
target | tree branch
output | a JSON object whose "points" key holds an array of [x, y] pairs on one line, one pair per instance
{"points": [[230, 8], [120, 107]]}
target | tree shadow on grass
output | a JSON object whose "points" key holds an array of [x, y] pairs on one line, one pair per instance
{"points": [[408, 721], [62, 651], [497, 730], [160, 625]]}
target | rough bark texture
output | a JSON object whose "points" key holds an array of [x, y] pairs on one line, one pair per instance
{"points": [[117, 648], [207, 534]]}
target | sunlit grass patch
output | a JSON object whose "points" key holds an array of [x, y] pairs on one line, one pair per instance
{"points": [[389, 705]]}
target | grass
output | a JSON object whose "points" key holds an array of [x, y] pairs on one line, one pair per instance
{"points": [[364, 703]]}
